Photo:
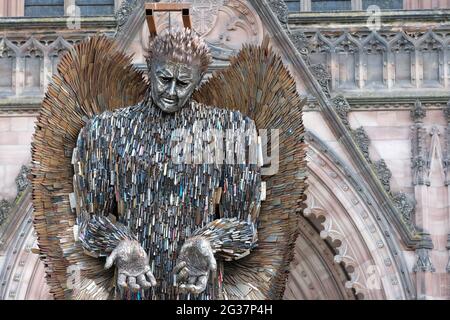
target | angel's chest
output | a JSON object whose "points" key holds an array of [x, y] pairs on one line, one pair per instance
{"points": [[165, 148]]}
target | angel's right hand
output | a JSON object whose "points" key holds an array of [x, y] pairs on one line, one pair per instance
{"points": [[132, 265]]}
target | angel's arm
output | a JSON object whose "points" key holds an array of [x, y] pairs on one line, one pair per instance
{"points": [[94, 191], [234, 234]]}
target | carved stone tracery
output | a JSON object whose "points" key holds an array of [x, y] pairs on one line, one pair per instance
{"points": [[126, 9], [383, 173], [419, 162], [395, 54], [363, 141], [342, 108], [280, 8], [22, 182]]}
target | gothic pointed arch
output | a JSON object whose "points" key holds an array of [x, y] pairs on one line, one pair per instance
{"points": [[8, 64], [56, 50], [32, 54], [347, 51], [314, 273], [371, 256], [375, 61]]}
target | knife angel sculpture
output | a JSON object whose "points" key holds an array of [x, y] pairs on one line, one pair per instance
{"points": [[131, 198]]}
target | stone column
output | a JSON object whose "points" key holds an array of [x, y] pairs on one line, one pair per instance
{"points": [[423, 267]]}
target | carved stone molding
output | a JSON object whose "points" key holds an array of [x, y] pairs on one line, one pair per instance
{"points": [[383, 173], [418, 112], [342, 108], [363, 141], [405, 205]]}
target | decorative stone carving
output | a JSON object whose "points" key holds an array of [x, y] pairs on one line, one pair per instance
{"points": [[342, 108], [300, 42], [280, 8], [430, 43], [236, 17], [319, 44], [448, 248], [224, 25], [5, 206], [419, 163], [125, 10], [393, 52], [322, 75], [22, 181], [423, 262], [5, 50], [305, 47], [59, 47], [363, 141], [204, 14], [374, 45], [418, 112], [405, 205], [402, 43], [446, 111], [383, 173]]}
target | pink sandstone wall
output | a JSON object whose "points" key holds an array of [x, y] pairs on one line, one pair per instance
{"points": [[15, 142]]}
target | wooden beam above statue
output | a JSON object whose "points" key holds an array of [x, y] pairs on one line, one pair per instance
{"points": [[151, 8]]}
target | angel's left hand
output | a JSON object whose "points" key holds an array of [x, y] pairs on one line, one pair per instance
{"points": [[195, 263]]}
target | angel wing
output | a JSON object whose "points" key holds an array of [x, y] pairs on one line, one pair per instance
{"points": [[93, 77], [259, 85]]}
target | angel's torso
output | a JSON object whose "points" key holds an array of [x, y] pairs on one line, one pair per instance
{"points": [[164, 184]]}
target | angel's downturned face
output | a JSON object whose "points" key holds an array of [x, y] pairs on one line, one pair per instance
{"points": [[173, 84]]}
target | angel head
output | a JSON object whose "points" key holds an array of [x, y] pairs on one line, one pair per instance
{"points": [[177, 62]]}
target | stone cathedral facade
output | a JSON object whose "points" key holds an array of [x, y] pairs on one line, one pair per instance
{"points": [[376, 75]]}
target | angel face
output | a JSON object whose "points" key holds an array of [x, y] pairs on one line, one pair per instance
{"points": [[173, 84]]}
